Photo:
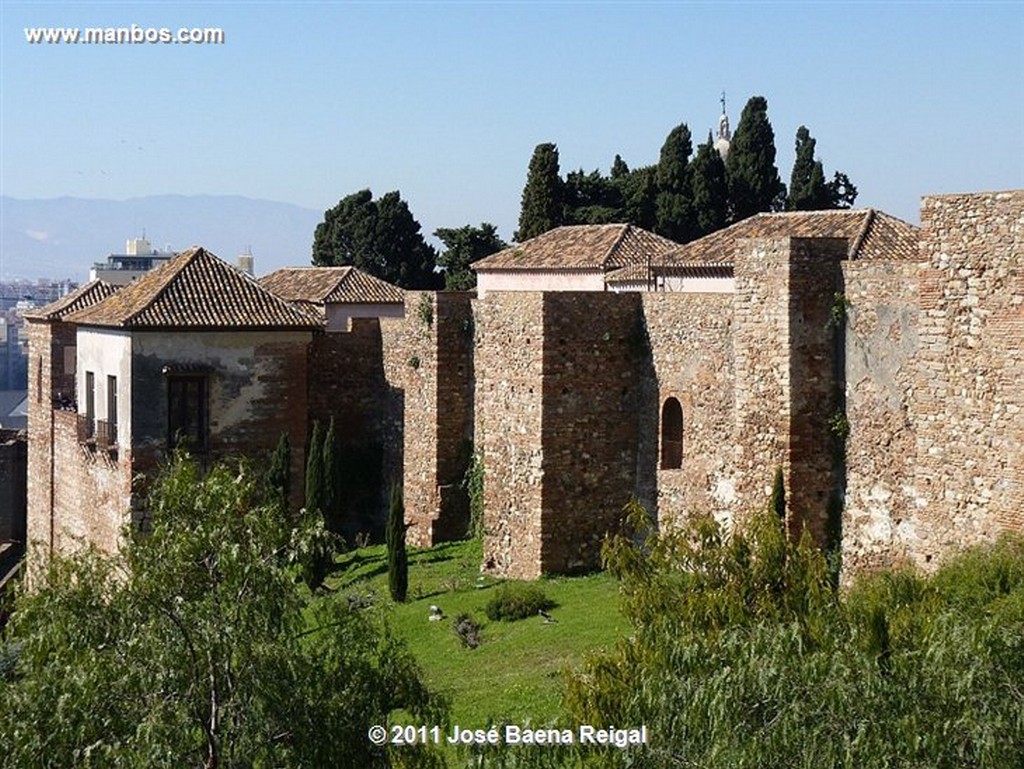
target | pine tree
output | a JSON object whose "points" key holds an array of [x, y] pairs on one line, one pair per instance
{"points": [[639, 192], [463, 246], [674, 203], [279, 473], [542, 205], [710, 190], [378, 236], [754, 184], [315, 471], [398, 564]]}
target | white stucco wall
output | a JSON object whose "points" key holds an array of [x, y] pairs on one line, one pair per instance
{"points": [[684, 285], [106, 352], [339, 315], [539, 280]]}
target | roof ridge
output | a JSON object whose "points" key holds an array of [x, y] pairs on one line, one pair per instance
{"points": [[855, 247], [615, 246], [186, 258]]}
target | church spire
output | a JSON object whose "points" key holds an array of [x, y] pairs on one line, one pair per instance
{"points": [[724, 134]]}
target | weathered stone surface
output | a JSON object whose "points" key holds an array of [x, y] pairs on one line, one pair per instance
{"points": [[561, 394]]}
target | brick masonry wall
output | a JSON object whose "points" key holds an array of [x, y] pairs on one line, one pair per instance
{"points": [[882, 340], [968, 408], [92, 490], [47, 378], [761, 339], [590, 391], [816, 384], [691, 359], [429, 380], [346, 382], [509, 365]]}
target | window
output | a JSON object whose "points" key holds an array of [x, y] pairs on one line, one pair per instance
{"points": [[186, 412], [90, 402], [671, 435], [112, 408]]}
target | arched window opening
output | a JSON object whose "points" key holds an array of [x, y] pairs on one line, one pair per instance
{"points": [[671, 435]]}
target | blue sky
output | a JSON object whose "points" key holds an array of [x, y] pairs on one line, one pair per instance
{"points": [[306, 102]]}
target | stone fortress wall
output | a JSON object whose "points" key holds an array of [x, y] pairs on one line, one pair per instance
{"points": [[563, 394], [578, 401]]}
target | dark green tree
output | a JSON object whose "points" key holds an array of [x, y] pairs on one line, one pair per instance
{"points": [[332, 480], [378, 236], [842, 193], [591, 199], [619, 168], [194, 646], [778, 500], [674, 202], [710, 190], [639, 193], [542, 205], [462, 247], [398, 563], [279, 473], [808, 190], [754, 184], [315, 471]]}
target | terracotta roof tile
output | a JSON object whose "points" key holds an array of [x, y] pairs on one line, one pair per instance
{"points": [[584, 246], [871, 235], [196, 290], [84, 296], [331, 285]]}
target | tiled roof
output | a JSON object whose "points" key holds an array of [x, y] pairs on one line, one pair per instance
{"points": [[84, 296], [583, 246], [331, 285], [871, 235], [195, 290]]}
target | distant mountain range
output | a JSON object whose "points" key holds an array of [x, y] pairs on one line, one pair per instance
{"points": [[63, 237]]}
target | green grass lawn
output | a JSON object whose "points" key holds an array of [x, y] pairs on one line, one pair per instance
{"points": [[515, 674]]}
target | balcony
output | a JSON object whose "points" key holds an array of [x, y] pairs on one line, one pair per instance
{"points": [[86, 428], [106, 434]]}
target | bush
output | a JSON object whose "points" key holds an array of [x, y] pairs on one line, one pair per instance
{"points": [[517, 600], [743, 655]]}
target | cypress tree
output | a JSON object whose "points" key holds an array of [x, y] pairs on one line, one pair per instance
{"points": [[754, 184], [778, 502], [398, 564], [619, 168], [710, 190], [674, 204], [807, 188], [542, 206], [315, 471], [279, 474], [332, 490]]}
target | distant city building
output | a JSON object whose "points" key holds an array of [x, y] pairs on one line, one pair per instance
{"points": [[139, 258]]}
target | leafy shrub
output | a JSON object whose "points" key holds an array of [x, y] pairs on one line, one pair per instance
{"points": [[743, 655], [517, 600]]}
